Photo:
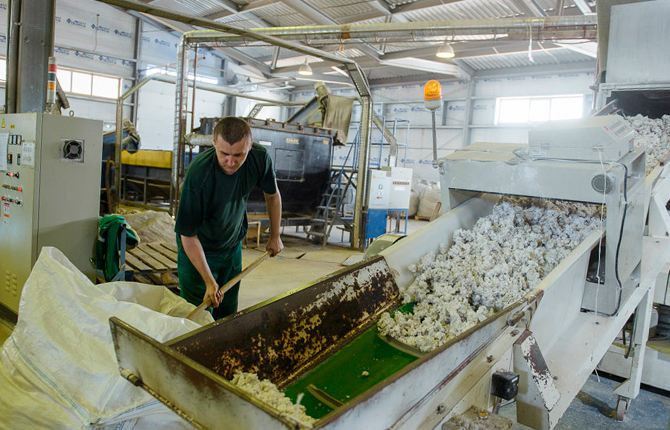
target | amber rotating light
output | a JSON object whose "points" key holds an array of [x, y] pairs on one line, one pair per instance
{"points": [[432, 99]]}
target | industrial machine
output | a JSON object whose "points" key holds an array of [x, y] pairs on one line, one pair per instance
{"points": [[50, 169], [321, 340], [635, 84]]}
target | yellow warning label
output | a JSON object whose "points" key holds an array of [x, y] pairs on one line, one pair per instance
{"points": [[292, 140], [3, 123]]}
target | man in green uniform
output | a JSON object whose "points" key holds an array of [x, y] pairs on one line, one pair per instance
{"points": [[212, 217]]}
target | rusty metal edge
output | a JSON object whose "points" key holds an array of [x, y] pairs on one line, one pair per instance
{"points": [[117, 325], [278, 297]]}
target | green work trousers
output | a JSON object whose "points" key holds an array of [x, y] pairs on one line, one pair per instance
{"points": [[224, 266]]}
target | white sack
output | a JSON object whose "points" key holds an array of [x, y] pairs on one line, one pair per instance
{"points": [[429, 199], [58, 368]]}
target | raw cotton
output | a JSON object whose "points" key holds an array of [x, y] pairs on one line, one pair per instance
{"points": [[268, 393], [487, 268], [652, 135]]}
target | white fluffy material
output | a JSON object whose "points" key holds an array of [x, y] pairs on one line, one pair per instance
{"points": [[487, 268]]}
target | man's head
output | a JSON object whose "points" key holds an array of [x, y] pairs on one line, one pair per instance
{"points": [[232, 142]]}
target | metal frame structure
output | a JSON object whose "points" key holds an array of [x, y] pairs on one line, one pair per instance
{"points": [[630, 270]]}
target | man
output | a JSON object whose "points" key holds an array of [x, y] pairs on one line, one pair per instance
{"points": [[212, 218]]}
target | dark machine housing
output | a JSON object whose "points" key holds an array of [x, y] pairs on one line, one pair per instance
{"points": [[301, 156]]}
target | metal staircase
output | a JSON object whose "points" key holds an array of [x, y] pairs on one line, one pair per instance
{"points": [[331, 211]]}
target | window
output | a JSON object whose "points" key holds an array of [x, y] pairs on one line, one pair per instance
{"points": [[528, 110], [105, 87], [81, 83], [64, 79], [74, 82]]}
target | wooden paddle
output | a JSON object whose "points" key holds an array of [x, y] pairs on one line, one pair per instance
{"points": [[231, 283]]}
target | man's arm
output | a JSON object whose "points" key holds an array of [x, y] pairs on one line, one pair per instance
{"points": [[196, 254], [273, 205]]}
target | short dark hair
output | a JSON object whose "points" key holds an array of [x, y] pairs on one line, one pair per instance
{"points": [[232, 129]]}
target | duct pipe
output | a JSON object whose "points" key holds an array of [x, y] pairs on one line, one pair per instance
{"points": [[422, 29], [213, 88]]}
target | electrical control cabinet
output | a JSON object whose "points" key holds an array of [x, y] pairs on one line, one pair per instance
{"points": [[380, 189], [49, 194]]}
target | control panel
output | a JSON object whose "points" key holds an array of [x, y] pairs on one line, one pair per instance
{"points": [[49, 194]]}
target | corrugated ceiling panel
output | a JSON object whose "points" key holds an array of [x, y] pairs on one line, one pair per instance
{"points": [[393, 72], [520, 59], [473, 9], [242, 20], [281, 15], [189, 7], [336, 9]]}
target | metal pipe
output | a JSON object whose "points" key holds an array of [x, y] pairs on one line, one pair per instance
{"points": [[519, 26], [275, 58], [139, 28], [13, 41], [221, 90], [432, 115], [195, 79], [180, 118], [362, 190]]}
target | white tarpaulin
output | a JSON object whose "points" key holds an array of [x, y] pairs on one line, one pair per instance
{"points": [[58, 368]]}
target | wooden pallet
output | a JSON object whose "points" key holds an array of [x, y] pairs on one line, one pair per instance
{"points": [[154, 263]]}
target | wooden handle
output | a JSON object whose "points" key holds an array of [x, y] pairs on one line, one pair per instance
{"points": [[231, 283]]}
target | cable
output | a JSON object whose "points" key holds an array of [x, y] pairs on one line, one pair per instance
{"points": [[618, 247]]}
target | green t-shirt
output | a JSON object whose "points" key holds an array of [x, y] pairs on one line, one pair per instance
{"points": [[213, 205]]}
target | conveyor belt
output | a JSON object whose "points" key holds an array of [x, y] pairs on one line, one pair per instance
{"points": [[341, 375]]}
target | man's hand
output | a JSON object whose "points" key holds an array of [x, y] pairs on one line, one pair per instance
{"points": [[275, 246], [213, 294]]}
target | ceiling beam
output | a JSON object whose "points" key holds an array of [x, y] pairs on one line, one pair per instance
{"points": [[317, 16], [530, 7], [583, 6], [421, 4], [231, 8], [233, 53]]}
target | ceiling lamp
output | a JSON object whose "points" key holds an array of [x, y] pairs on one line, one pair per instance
{"points": [[305, 70], [445, 51]]}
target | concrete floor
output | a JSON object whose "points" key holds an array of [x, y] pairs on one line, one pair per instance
{"points": [[594, 408], [302, 262]]}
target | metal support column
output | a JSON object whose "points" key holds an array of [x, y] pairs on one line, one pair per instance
{"points": [[179, 124], [362, 191], [13, 40], [467, 121], [36, 42]]}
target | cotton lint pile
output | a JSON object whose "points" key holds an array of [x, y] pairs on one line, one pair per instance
{"points": [[268, 393], [653, 136], [487, 268]]}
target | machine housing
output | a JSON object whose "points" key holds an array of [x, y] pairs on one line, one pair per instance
{"points": [[50, 194]]}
